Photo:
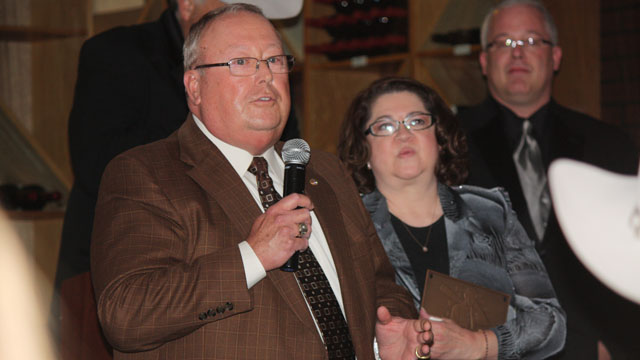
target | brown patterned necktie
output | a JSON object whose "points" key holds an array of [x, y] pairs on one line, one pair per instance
{"points": [[311, 279], [268, 194]]}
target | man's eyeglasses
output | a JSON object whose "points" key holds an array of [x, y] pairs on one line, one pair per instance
{"points": [[247, 66], [528, 43], [387, 126]]}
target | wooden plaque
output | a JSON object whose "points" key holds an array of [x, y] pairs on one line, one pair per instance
{"points": [[471, 306]]}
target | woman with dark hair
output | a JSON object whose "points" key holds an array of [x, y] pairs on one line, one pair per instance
{"points": [[405, 151]]}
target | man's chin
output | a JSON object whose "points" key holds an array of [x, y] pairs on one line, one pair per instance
{"points": [[269, 122], [519, 93]]}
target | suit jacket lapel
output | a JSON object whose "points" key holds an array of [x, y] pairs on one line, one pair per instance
{"points": [[493, 148], [211, 170], [565, 141], [216, 176]]}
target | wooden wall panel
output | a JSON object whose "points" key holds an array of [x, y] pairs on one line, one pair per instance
{"points": [[15, 87], [54, 71], [424, 16], [327, 101], [38, 73], [577, 84], [457, 79], [15, 12], [68, 14], [46, 246]]}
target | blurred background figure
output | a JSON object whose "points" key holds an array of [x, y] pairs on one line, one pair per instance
{"points": [[405, 151], [23, 320], [599, 212], [513, 137]]}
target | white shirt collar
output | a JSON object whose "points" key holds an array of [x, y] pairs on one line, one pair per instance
{"points": [[239, 158]]}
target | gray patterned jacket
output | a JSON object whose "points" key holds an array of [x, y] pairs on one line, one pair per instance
{"points": [[488, 246]]}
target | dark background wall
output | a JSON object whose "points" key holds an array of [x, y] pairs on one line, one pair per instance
{"points": [[620, 61]]}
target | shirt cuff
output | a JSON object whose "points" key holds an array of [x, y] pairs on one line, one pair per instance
{"points": [[253, 269]]}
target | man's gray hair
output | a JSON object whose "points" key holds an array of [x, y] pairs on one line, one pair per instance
{"points": [[536, 4], [191, 48]]}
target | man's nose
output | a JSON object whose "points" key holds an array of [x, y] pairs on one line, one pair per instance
{"points": [[517, 51], [263, 70]]}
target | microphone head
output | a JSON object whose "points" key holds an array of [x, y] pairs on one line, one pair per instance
{"points": [[296, 151]]}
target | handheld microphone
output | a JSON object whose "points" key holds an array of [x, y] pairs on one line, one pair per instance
{"points": [[296, 154]]}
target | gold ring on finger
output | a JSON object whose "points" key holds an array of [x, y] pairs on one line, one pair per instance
{"points": [[302, 229], [428, 356]]}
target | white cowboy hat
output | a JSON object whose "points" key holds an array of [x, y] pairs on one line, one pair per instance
{"points": [[274, 9], [599, 213]]}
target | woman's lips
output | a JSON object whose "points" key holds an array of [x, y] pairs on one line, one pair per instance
{"points": [[405, 152]]}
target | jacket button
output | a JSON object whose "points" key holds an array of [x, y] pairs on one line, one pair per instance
{"points": [[229, 306], [211, 312], [221, 309], [202, 316]]}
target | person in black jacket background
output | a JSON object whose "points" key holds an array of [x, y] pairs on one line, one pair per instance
{"points": [[520, 55]]}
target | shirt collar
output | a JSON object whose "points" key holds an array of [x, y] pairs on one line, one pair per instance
{"points": [[512, 123], [240, 159]]}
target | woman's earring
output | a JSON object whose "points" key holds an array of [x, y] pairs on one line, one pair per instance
{"points": [[368, 165]]}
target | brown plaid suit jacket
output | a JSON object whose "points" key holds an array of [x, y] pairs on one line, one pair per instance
{"points": [[169, 278]]}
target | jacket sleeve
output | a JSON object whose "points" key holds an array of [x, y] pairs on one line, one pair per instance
{"points": [[149, 285], [538, 328]]}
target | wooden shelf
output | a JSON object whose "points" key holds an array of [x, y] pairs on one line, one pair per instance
{"points": [[451, 51], [35, 33], [359, 61], [35, 215], [453, 71]]}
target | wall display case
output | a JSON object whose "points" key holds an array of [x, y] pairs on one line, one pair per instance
{"points": [[350, 43]]}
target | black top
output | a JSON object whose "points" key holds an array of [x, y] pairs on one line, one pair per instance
{"points": [[437, 256]]}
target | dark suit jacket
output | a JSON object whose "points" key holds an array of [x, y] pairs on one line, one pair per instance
{"points": [[593, 311], [168, 274], [129, 92]]}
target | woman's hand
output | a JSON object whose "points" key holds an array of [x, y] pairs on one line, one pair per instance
{"points": [[400, 338], [451, 341]]}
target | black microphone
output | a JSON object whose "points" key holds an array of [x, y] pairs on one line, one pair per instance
{"points": [[296, 154]]}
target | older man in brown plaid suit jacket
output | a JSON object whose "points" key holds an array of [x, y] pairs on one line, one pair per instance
{"points": [[184, 260]]}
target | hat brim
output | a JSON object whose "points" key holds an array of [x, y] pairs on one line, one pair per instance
{"points": [[274, 9], [594, 208]]}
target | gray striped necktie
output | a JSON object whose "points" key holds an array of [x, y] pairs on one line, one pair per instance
{"points": [[533, 180]]}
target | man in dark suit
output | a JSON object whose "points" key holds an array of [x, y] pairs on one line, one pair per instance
{"points": [[188, 238], [520, 124]]}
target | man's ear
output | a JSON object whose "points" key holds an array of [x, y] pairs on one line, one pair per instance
{"points": [[191, 81], [185, 10], [557, 57], [482, 58]]}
